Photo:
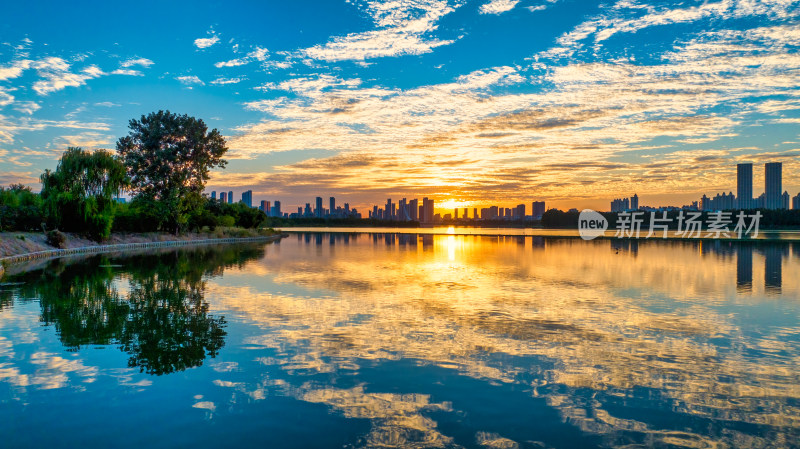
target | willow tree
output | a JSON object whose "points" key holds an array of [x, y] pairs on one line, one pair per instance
{"points": [[169, 157], [79, 195]]}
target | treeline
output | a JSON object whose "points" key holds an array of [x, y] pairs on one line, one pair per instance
{"points": [[770, 219], [164, 162]]}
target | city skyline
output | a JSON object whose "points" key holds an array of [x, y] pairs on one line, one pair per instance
{"points": [[485, 101]]}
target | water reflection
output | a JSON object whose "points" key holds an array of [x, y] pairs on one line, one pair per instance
{"points": [[155, 311], [416, 340]]}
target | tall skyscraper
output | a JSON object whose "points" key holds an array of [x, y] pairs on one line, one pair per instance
{"points": [[744, 186], [773, 187], [276, 209], [247, 198], [318, 209], [223, 197], [213, 194], [538, 209], [427, 211], [413, 209], [635, 202], [230, 196], [265, 205], [333, 205]]}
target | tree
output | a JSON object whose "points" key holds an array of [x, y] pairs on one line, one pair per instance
{"points": [[169, 157], [79, 195]]}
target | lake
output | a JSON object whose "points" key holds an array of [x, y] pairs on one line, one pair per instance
{"points": [[402, 339]]}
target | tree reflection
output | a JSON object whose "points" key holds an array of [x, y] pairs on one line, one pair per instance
{"points": [[159, 316]]}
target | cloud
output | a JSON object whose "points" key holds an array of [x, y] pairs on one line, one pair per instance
{"points": [[56, 75], [205, 42], [258, 54], [27, 107], [223, 81], [498, 6], [189, 80], [15, 69], [402, 28], [107, 104], [144, 62]]}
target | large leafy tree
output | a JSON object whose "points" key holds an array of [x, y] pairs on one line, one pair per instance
{"points": [[79, 195], [169, 157]]}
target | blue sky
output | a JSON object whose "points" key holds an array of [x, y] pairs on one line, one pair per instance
{"points": [[469, 102]]}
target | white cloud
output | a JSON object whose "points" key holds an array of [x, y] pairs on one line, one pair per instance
{"points": [[107, 104], [27, 107], [403, 28], [205, 42], [258, 54], [498, 6], [144, 62], [56, 75], [223, 81], [129, 72], [189, 80], [15, 69]]}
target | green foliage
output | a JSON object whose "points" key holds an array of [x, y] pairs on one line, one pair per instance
{"points": [[56, 238], [169, 157], [226, 221], [79, 195], [20, 209]]}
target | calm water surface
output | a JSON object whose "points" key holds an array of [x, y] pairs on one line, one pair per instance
{"points": [[407, 340]]}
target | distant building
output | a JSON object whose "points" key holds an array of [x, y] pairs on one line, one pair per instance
{"points": [[796, 202], [620, 205], [223, 197], [744, 186], [332, 203], [773, 185], [275, 210], [427, 215], [635, 202], [413, 209], [213, 194], [230, 196], [318, 209], [247, 198], [265, 207], [538, 209], [785, 200]]}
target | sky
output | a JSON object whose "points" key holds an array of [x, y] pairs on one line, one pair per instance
{"points": [[468, 102]]}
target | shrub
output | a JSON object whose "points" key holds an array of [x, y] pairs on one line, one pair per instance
{"points": [[57, 239]]}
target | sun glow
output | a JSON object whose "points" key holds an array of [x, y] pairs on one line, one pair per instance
{"points": [[450, 204]]}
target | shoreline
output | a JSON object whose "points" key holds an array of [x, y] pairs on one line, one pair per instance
{"points": [[101, 248]]}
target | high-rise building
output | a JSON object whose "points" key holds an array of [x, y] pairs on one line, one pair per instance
{"points": [[635, 202], [427, 215], [318, 208], [785, 198], [465, 213], [223, 197], [230, 196], [333, 205], [413, 209], [474, 213], [247, 198], [538, 209], [773, 185], [265, 205], [213, 194], [744, 186], [276, 209], [388, 212], [519, 213], [455, 213], [796, 202]]}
